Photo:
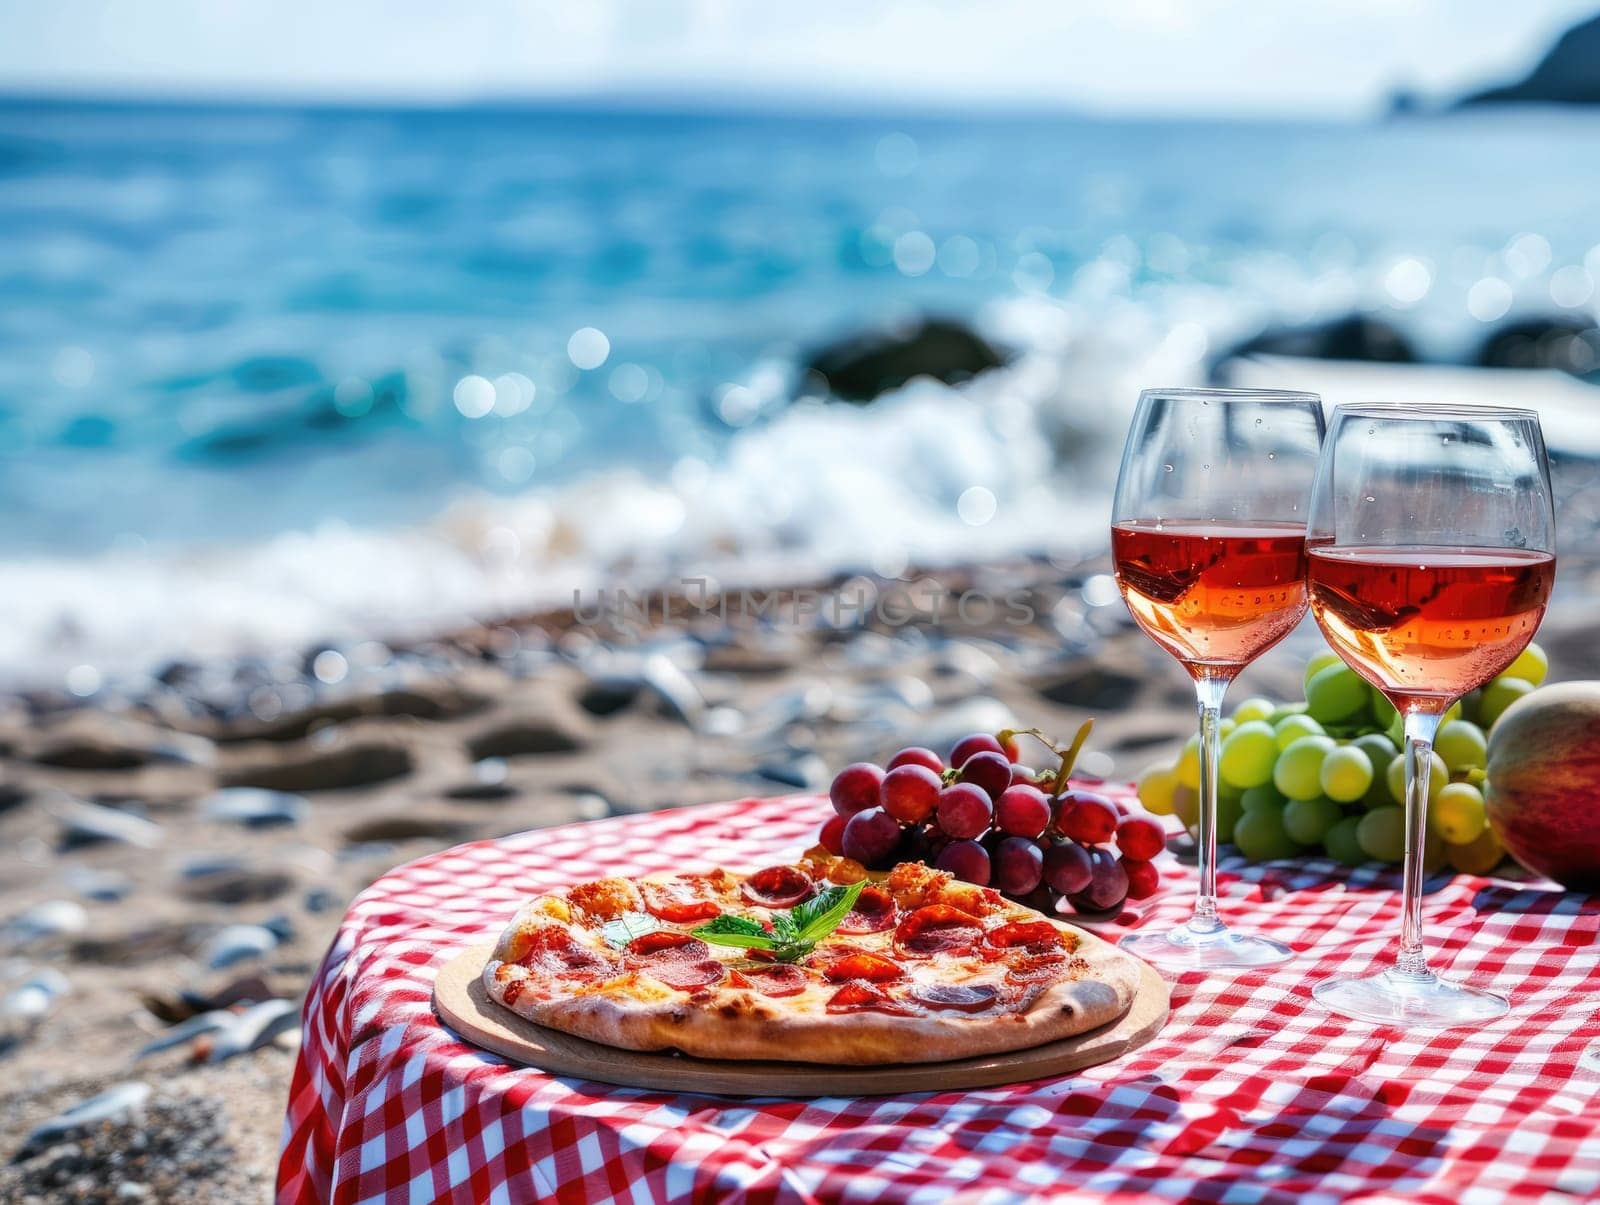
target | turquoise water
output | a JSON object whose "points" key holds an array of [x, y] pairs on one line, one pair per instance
{"points": [[225, 329]]}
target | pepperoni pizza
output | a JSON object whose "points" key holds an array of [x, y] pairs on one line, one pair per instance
{"points": [[786, 964]]}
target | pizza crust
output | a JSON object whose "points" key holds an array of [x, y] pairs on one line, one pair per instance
{"points": [[635, 1012]]}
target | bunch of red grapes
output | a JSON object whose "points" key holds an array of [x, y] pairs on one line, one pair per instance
{"points": [[991, 821]]}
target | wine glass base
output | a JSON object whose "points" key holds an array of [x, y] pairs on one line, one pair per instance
{"points": [[1183, 949], [1394, 997]]}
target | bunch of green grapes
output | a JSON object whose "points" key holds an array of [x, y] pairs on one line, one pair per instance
{"points": [[1327, 775]]}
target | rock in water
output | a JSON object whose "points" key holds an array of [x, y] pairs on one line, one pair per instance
{"points": [[1570, 345], [1568, 74], [859, 368], [117, 1103], [1353, 337]]}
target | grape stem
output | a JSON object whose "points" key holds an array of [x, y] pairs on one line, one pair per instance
{"points": [[1067, 756]]}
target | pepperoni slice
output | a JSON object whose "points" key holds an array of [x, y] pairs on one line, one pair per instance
{"points": [[553, 951], [1030, 968], [780, 979], [861, 965], [678, 902], [858, 997], [777, 887], [962, 997], [937, 929], [1034, 936], [685, 975], [874, 911], [669, 944]]}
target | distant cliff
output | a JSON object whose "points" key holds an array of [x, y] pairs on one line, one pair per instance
{"points": [[1569, 74]]}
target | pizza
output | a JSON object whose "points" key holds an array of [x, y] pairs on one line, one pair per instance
{"points": [[785, 963]]}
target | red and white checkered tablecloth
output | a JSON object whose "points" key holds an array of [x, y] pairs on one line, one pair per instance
{"points": [[1252, 1092]]}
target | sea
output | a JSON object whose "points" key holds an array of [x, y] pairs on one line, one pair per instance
{"points": [[275, 375]]}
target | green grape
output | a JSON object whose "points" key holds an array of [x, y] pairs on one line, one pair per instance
{"points": [[1229, 810], [1336, 694], [1346, 774], [1225, 727], [1307, 821], [1381, 833], [1319, 663], [1531, 665], [1438, 775], [1457, 816], [1260, 836], [1264, 796], [1186, 805], [1498, 695], [1156, 788], [1462, 745], [1284, 712], [1292, 728], [1248, 754], [1341, 843], [1254, 708], [1469, 706], [1188, 767], [1298, 772], [1380, 752], [1383, 711]]}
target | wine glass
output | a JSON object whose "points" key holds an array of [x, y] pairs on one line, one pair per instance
{"points": [[1208, 539], [1431, 553]]}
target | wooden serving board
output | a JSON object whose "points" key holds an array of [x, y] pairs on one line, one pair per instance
{"points": [[461, 1002]]}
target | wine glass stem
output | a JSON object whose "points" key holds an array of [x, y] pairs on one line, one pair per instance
{"points": [[1208, 695], [1420, 727]]}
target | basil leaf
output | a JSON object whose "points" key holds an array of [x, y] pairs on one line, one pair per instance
{"points": [[739, 931], [628, 926], [821, 914], [784, 928]]}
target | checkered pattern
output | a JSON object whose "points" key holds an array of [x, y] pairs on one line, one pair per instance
{"points": [[1252, 1092]]}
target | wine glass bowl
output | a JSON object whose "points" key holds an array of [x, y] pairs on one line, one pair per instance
{"points": [[1208, 545], [1431, 557]]}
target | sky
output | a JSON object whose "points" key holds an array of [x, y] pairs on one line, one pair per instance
{"points": [[1242, 57]]}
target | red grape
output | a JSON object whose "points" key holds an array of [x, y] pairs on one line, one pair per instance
{"points": [[1022, 811], [1108, 883], [1018, 865], [978, 742], [1010, 748], [991, 771], [967, 860], [832, 836], [1024, 776], [1067, 867], [1087, 818], [909, 793], [871, 837], [916, 755], [964, 810], [1141, 838], [855, 788], [1143, 878]]}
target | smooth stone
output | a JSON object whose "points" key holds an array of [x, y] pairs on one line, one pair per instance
{"points": [[803, 773], [404, 828], [183, 1031], [94, 740], [185, 1003], [356, 764], [254, 1028], [117, 1103], [942, 731], [50, 918], [102, 886], [254, 807], [87, 823], [234, 944], [1352, 337], [237, 886], [1091, 686]]}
